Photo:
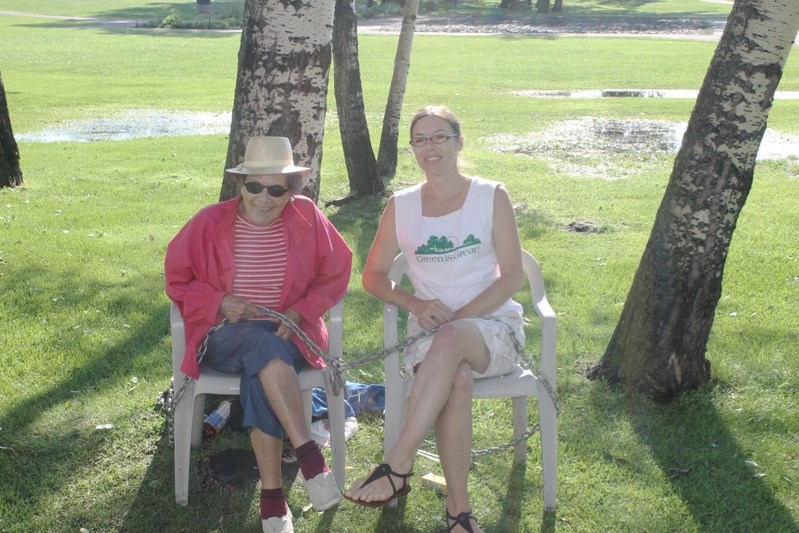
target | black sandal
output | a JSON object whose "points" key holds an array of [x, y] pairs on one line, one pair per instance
{"points": [[381, 471], [463, 519]]}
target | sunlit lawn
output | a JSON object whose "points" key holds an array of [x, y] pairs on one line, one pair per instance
{"points": [[86, 339]]}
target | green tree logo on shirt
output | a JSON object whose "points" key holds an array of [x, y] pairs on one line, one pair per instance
{"points": [[442, 245]]}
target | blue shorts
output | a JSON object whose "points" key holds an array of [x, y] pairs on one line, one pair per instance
{"points": [[247, 347]]}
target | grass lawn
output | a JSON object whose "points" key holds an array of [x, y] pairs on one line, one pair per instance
{"points": [[86, 340]]}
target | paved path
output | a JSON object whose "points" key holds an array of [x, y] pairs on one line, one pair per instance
{"points": [[551, 25]]}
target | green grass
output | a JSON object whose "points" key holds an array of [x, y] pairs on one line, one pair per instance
{"points": [[86, 340]]}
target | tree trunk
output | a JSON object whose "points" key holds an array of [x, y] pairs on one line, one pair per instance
{"points": [[517, 4], [281, 87], [10, 173], [542, 6], [558, 6], [356, 144], [659, 345], [387, 154]]}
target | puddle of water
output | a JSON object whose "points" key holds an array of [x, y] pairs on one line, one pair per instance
{"points": [[591, 146], [633, 93], [588, 146], [133, 124]]}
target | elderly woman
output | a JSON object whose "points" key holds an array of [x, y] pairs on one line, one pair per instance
{"points": [[269, 247]]}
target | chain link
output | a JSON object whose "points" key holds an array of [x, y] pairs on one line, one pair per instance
{"points": [[336, 367]]}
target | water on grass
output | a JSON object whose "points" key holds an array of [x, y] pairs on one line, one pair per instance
{"points": [[589, 146], [131, 124], [634, 93], [610, 148]]}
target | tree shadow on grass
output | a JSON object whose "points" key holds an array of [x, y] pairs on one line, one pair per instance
{"points": [[707, 469], [392, 519], [210, 506], [77, 339]]}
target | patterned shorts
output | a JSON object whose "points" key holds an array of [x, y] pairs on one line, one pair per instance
{"points": [[496, 335]]}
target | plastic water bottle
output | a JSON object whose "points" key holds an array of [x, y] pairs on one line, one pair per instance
{"points": [[216, 420]]}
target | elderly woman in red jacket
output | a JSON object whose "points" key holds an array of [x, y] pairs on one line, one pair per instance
{"points": [[267, 247]]}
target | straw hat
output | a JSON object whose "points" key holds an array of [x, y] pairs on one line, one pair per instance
{"points": [[268, 155]]}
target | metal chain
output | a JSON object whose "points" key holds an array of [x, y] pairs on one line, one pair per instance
{"points": [[335, 368]]}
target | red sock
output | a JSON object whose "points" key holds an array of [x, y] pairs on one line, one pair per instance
{"points": [[312, 462], [273, 503]]}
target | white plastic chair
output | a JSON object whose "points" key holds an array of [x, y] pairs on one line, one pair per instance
{"points": [[189, 411], [517, 385]]}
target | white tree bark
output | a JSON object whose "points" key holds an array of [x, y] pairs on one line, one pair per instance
{"points": [[281, 87], [728, 123], [659, 345]]}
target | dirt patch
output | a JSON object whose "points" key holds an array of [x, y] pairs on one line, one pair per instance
{"points": [[608, 148]]}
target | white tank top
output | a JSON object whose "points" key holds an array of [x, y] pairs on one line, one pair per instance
{"points": [[450, 258]]}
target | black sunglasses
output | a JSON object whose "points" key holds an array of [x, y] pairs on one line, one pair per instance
{"points": [[276, 191]]}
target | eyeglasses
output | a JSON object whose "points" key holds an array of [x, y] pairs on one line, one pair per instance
{"points": [[276, 191], [438, 138]]}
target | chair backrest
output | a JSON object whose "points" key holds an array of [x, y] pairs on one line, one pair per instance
{"points": [[543, 310]]}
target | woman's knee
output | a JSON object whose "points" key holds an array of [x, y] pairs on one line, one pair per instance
{"points": [[279, 369], [457, 337]]}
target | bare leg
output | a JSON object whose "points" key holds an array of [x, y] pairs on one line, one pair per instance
{"points": [[267, 454], [282, 388], [455, 343], [454, 441]]}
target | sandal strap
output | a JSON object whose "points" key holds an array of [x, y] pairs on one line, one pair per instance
{"points": [[463, 519], [384, 470]]}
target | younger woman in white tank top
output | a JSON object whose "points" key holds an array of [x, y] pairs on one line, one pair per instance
{"points": [[459, 236]]}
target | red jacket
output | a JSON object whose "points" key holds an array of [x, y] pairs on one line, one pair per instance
{"points": [[200, 267]]}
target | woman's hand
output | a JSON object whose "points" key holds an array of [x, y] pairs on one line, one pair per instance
{"points": [[432, 313], [236, 309], [283, 331]]}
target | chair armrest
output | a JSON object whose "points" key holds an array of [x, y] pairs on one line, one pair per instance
{"points": [[546, 317], [178, 332], [548, 320]]}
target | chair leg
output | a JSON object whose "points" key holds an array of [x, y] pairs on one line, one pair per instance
{"points": [[307, 403], [549, 450], [182, 443], [519, 427], [396, 395], [197, 420], [335, 405]]}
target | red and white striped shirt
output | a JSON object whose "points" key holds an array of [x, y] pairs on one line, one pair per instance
{"points": [[260, 262]]}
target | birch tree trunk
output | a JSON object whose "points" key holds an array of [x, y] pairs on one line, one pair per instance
{"points": [[356, 143], [659, 345], [387, 154], [10, 173], [281, 87]]}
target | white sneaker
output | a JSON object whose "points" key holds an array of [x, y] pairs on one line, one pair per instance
{"points": [[322, 490], [278, 524]]}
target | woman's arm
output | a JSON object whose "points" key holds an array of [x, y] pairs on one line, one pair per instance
{"points": [[509, 257], [376, 281], [199, 300]]}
